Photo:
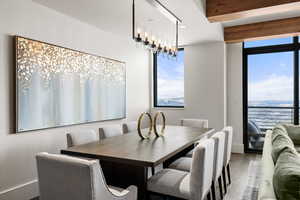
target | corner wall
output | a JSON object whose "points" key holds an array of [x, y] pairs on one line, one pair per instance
{"points": [[28, 19], [235, 94], [213, 88], [205, 85]]}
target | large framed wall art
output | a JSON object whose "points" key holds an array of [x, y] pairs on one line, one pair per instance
{"points": [[57, 86]]}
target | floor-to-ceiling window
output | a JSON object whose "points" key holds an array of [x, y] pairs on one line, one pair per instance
{"points": [[271, 87]]}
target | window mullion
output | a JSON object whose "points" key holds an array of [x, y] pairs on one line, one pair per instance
{"points": [[296, 82]]}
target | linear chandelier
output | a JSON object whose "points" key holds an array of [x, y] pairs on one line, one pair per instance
{"points": [[151, 43]]}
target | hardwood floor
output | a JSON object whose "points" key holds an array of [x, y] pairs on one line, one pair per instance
{"points": [[239, 174]]}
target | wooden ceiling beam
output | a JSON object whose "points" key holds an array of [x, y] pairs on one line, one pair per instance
{"points": [[262, 30], [226, 10]]}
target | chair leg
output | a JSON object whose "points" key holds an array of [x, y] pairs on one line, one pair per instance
{"points": [[228, 173], [213, 190], [220, 187], [224, 180], [148, 196], [152, 171], [208, 196]]}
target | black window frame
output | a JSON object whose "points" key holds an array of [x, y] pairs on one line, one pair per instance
{"points": [[155, 105], [290, 47]]}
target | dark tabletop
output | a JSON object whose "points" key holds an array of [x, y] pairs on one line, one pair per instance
{"points": [[130, 149]]}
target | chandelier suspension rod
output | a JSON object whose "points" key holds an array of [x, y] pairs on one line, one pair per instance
{"points": [[153, 45], [165, 11], [133, 20], [177, 35]]}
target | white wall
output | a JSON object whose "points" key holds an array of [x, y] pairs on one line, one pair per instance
{"points": [[211, 91], [235, 94], [204, 78], [25, 18]]}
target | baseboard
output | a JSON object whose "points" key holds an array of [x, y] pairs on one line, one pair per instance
{"points": [[237, 148], [24, 191]]}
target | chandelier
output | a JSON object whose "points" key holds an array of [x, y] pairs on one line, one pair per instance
{"points": [[150, 42]]}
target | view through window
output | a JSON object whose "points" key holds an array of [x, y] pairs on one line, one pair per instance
{"points": [[169, 80], [271, 78]]}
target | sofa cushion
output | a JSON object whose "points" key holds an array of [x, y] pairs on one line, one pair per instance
{"points": [[293, 132], [286, 179], [297, 147], [278, 129], [266, 190], [279, 144]]}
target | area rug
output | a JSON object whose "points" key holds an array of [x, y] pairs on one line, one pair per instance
{"points": [[254, 180]]}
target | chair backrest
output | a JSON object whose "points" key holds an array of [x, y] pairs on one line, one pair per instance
{"points": [[110, 131], [202, 169], [81, 137], [219, 139], [228, 144], [196, 123], [69, 178], [130, 127]]}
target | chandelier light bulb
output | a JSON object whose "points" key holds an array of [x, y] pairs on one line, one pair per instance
{"points": [[165, 49], [153, 45], [159, 48], [146, 41], [149, 41], [138, 38]]}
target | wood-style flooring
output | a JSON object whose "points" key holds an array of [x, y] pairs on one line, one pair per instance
{"points": [[239, 175]]}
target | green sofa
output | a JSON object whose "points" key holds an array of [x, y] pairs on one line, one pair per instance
{"points": [[266, 189]]}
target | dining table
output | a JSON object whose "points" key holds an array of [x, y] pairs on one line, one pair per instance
{"points": [[125, 159]]}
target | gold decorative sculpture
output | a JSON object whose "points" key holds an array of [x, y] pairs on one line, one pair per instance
{"points": [[153, 125], [161, 132], [140, 125]]}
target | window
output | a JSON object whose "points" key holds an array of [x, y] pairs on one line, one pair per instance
{"points": [[271, 87], [275, 41], [169, 80]]}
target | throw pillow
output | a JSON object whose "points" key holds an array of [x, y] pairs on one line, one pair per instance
{"points": [[286, 178]]}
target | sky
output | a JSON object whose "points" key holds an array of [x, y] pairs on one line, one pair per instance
{"points": [[170, 76], [270, 76]]}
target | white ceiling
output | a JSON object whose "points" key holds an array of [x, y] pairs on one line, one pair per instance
{"points": [[115, 16]]}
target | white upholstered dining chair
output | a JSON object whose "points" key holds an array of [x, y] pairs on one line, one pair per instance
{"points": [[194, 123], [81, 137], [68, 178], [219, 139], [227, 155], [130, 127], [110, 131], [185, 163], [193, 185]]}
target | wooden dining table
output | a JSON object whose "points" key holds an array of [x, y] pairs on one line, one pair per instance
{"points": [[125, 159]]}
